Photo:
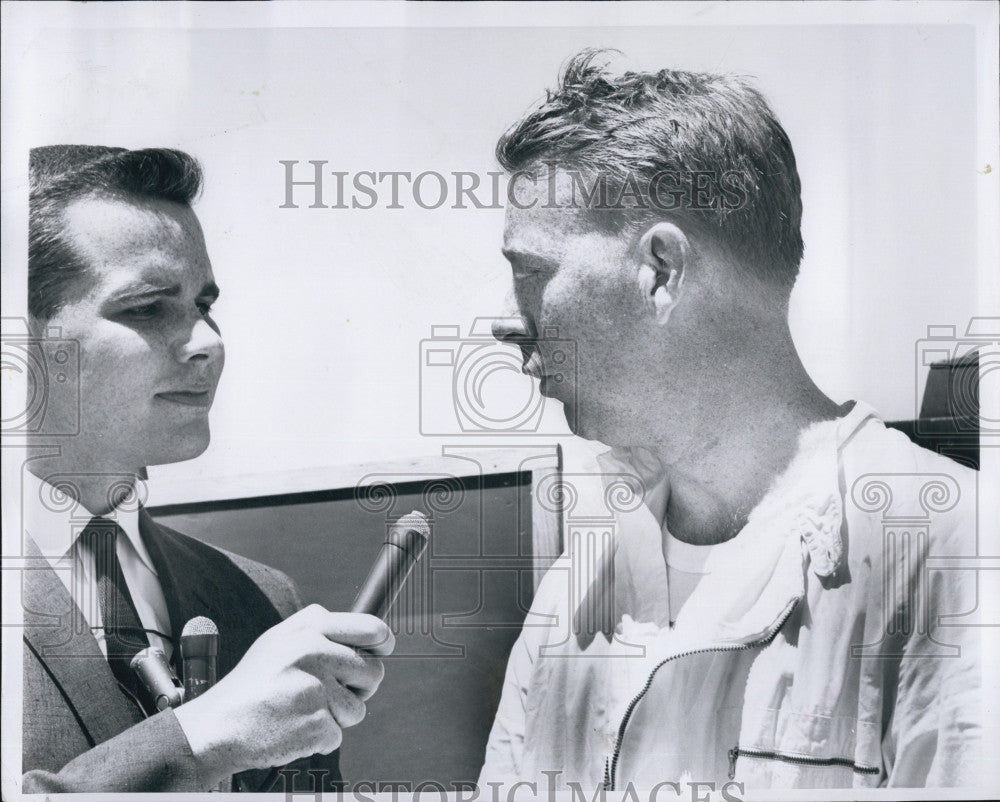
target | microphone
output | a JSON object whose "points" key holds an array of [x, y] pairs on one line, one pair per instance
{"points": [[199, 649], [402, 548], [154, 672]]}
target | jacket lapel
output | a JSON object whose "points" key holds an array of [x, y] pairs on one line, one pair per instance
{"points": [[57, 632], [199, 580]]}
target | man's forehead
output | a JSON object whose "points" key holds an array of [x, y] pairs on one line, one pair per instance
{"points": [[101, 227], [129, 244], [112, 223], [543, 206]]}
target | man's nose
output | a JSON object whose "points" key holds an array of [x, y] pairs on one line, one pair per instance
{"points": [[515, 330], [203, 343], [511, 329]]}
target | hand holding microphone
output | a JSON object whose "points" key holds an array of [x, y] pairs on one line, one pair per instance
{"points": [[304, 680]]}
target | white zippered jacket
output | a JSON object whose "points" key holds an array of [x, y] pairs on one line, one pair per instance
{"points": [[840, 639]]}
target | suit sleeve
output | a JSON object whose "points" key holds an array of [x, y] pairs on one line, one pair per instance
{"points": [[152, 755]]}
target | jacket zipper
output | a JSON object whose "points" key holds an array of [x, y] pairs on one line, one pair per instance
{"points": [[611, 764], [803, 760]]}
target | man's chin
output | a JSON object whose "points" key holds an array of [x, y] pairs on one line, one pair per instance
{"points": [[576, 426], [182, 449], [584, 427]]}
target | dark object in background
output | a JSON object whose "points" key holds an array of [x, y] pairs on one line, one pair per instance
{"points": [[949, 412]]}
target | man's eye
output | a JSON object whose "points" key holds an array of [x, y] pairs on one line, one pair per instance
{"points": [[143, 312], [205, 307], [526, 273]]}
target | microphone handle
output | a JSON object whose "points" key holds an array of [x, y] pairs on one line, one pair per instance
{"points": [[199, 656], [387, 576], [199, 676]]}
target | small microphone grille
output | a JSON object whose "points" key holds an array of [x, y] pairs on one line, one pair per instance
{"points": [[417, 521], [200, 626]]}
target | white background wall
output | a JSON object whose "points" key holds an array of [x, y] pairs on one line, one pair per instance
{"points": [[323, 310]]}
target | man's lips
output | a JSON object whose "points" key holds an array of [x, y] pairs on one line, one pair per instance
{"points": [[189, 398], [532, 368], [548, 385]]}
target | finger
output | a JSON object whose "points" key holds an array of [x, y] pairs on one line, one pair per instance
{"points": [[369, 682], [334, 662], [345, 707], [331, 736], [364, 694], [360, 630]]}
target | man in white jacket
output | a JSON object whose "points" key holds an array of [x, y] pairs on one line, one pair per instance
{"points": [[761, 593]]}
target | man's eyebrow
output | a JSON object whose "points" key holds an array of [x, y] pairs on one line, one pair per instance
{"points": [[138, 292], [513, 252], [142, 290]]}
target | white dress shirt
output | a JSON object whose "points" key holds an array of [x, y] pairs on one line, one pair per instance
{"points": [[54, 521]]}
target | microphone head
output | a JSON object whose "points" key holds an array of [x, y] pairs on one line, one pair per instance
{"points": [[417, 521], [410, 533], [199, 626], [199, 639]]}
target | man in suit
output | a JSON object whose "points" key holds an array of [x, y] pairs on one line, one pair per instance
{"points": [[118, 265]]}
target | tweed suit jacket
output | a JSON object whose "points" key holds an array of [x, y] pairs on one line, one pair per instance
{"points": [[81, 734]]}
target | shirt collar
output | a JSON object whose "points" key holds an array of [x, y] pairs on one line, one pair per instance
{"points": [[54, 519]]}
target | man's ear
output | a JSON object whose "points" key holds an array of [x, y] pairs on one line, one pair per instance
{"points": [[664, 256]]}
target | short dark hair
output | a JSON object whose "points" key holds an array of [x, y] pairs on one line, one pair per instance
{"points": [[639, 125], [60, 174]]}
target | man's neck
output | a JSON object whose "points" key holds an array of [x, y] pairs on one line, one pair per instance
{"points": [[97, 490], [734, 454]]}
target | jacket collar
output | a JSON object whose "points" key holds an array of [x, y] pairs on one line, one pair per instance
{"points": [[797, 526]]}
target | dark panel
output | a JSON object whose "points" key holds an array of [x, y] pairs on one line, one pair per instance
{"points": [[949, 411], [456, 619]]}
